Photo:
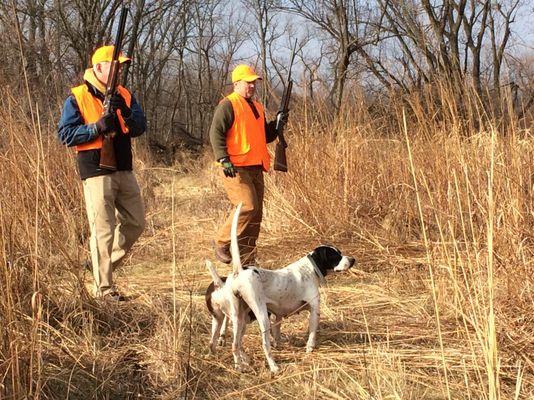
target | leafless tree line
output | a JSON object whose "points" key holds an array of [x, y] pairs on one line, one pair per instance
{"points": [[184, 50]]}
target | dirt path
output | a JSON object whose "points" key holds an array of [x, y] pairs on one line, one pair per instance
{"points": [[183, 215], [377, 332]]}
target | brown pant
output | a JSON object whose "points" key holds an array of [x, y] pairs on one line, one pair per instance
{"points": [[108, 199], [247, 188]]}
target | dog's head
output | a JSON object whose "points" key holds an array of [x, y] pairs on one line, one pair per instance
{"points": [[329, 258], [215, 299]]}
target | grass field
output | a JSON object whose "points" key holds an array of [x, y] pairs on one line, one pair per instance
{"points": [[439, 306]]}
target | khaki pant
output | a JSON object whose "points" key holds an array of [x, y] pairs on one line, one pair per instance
{"points": [[247, 188], [116, 219]]}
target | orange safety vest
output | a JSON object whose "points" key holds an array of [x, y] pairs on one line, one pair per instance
{"points": [[91, 109], [245, 141]]}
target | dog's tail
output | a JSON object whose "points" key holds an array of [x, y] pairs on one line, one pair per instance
{"points": [[217, 281], [234, 246]]}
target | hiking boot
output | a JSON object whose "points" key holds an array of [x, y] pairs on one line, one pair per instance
{"points": [[222, 253]]}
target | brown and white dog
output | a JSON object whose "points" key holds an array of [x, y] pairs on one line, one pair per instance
{"points": [[255, 292]]}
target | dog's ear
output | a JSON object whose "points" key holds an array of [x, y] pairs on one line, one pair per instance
{"points": [[217, 282]]}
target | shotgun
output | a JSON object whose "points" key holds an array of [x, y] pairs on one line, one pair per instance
{"points": [[280, 157], [107, 152]]}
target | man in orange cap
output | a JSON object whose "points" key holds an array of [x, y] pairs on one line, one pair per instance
{"points": [[239, 135], [112, 198]]}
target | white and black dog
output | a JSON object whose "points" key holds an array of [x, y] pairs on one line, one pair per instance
{"points": [[255, 292]]}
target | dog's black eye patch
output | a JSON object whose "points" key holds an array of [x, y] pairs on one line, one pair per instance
{"points": [[326, 257]]}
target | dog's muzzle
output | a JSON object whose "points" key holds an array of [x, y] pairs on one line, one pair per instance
{"points": [[345, 263]]}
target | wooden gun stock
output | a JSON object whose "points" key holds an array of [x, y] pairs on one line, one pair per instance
{"points": [[107, 154], [280, 157]]}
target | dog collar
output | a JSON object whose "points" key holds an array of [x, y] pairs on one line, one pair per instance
{"points": [[318, 272]]}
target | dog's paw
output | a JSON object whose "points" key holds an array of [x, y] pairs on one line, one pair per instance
{"points": [[275, 369], [243, 367], [310, 344], [212, 349], [277, 342]]}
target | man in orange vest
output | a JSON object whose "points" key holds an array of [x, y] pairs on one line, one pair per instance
{"points": [[112, 198], [239, 135]]}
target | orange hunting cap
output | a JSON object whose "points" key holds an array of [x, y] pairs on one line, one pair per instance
{"points": [[244, 73], [105, 53]]}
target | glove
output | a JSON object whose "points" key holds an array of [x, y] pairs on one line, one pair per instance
{"points": [[116, 102], [228, 168], [106, 124]]}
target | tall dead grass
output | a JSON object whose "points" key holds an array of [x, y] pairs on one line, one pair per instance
{"points": [[57, 341], [422, 185], [437, 207]]}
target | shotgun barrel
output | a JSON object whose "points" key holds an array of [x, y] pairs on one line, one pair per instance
{"points": [[108, 160], [280, 156]]}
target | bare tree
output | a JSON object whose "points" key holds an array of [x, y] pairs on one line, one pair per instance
{"points": [[201, 46], [346, 23], [232, 35], [86, 24], [266, 13], [447, 38], [157, 63], [311, 64], [500, 20], [184, 50]]}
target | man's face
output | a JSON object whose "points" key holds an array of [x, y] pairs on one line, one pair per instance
{"points": [[245, 89], [102, 71]]}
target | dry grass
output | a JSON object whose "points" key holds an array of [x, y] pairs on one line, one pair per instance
{"points": [[437, 210]]}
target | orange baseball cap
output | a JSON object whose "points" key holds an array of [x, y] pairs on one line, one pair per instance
{"points": [[105, 53], [244, 73]]}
